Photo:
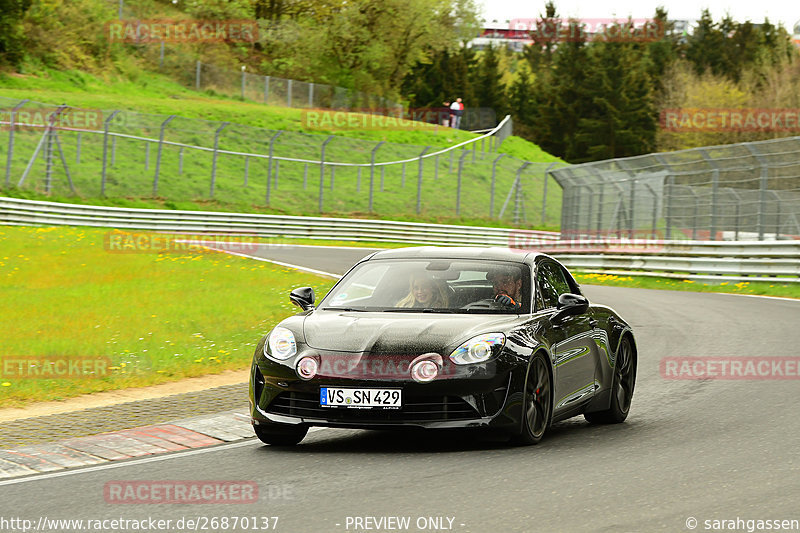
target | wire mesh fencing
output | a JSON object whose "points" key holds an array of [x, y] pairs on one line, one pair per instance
{"points": [[746, 191], [278, 91], [63, 151]]}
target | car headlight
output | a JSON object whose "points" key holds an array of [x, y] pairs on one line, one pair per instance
{"points": [[281, 344], [478, 349]]}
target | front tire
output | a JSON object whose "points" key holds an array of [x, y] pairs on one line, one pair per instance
{"points": [[538, 409], [280, 434], [621, 389]]}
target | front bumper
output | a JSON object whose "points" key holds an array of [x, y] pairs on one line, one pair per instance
{"points": [[487, 396]]}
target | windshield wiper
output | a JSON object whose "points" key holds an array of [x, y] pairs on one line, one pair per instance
{"points": [[341, 309], [418, 310]]}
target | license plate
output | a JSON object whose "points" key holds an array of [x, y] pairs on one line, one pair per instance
{"points": [[360, 398]]}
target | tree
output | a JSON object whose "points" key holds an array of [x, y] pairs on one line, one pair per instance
{"points": [[621, 121], [559, 98], [11, 34], [490, 91]]}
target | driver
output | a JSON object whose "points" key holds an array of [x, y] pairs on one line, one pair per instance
{"points": [[507, 285]]}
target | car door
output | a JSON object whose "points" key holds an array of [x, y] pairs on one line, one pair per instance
{"points": [[573, 350]]}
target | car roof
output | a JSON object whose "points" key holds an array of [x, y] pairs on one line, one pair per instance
{"points": [[459, 252]]}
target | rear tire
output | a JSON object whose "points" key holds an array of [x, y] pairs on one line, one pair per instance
{"points": [[621, 388], [280, 434], [538, 408]]}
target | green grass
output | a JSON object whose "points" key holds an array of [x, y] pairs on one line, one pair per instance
{"points": [[764, 288], [131, 176], [156, 317]]}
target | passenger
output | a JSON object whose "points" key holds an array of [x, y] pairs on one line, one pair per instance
{"points": [[507, 285], [425, 292]]}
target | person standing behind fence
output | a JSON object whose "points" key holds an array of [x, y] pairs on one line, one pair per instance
{"points": [[457, 110]]}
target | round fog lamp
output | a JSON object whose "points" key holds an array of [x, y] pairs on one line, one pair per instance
{"points": [[424, 371], [307, 367]]}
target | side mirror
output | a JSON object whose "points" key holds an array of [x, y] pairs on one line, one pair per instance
{"points": [[303, 298], [570, 304]]}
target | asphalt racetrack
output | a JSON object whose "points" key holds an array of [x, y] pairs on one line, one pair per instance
{"points": [[692, 451]]}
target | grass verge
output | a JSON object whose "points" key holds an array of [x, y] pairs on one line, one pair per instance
{"points": [[762, 288], [156, 317]]}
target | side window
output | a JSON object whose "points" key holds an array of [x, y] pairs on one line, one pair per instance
{"points": [[559, 280], [573, 285], [548, 294]]}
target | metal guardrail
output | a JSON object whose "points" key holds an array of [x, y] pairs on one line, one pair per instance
{"points": [[777, 261], [14, 211]]}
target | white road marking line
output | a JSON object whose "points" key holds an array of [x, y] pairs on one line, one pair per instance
{"points": [[270, 245], [281, 263], [143, 460], [122, 464], [760, 296]]}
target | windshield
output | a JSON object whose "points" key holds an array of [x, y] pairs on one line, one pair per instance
{"points": [[433, 286]]}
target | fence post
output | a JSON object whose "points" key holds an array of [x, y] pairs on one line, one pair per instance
{"points": [[180, 161], [266, 89], [519, 205], [269, 165], [372, 173], [494, 175], [333, 174], [11, 139], [631, 213], [458, 187], [777, 215], [305, 176], [358, 180], [419, 179], [246, 169], [160, 150], [736, 214], [714, 192], [403, 177], [762, 203], [161, 56], [197, 75], [78, 148], [436, 167], [544, 194], [105, 151], [244, 81], [48, 158], [214, 160], [322, 170], [289, 93], [311, 94], [147, 156]]}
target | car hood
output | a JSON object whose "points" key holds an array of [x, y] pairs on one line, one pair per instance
{"points": [[397, 333]]}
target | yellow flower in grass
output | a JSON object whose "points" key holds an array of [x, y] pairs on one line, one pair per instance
{"points": [[6, 384]]}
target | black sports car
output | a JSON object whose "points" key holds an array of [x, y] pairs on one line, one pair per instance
{"points": [[444, 338]]}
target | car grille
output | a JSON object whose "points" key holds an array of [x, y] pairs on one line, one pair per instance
{"points": [[419, 409]]}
